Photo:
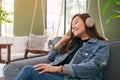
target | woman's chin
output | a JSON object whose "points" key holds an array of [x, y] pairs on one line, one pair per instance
{"points": [[76, 35]]}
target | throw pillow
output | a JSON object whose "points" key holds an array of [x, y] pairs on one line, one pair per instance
{"points": [[36, 41]]}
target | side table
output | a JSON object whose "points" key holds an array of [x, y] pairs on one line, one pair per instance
{"points": [[35, 51], [8, 47]]}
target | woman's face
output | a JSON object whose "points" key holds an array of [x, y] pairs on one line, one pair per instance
{"points": [[78, 27]]}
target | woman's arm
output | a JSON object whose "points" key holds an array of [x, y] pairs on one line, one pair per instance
{"points": [[52, 55], [49, 68], [54, 51], [64, 40], [90, 67]]}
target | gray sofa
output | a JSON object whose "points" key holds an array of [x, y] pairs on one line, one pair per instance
{"points": [[111, 71]]}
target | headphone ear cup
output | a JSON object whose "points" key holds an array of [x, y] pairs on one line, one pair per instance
{"points": [[89, 22]]}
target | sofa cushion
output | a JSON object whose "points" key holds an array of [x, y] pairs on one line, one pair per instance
{"points": [[18, 47], [19, 44], [36, 41]]}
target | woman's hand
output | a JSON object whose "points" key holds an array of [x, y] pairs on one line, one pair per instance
{"points": [[47, 68], [64, 40], [67, 36]]}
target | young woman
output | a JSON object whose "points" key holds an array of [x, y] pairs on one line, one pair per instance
{"points": [[79, 55]]}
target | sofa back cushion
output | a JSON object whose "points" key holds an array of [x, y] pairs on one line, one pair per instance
{"points": [[112, 70], [19, 44]]}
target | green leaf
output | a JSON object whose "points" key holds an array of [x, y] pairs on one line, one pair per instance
{"points": [[118, 16], [108, 3], [117, 2], [117, 11], [113, 17]]}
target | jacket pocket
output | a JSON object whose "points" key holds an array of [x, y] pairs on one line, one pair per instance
{"points": [[84, 55]]}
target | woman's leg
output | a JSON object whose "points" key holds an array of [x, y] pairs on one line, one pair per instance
{"points": [[28, 73]]}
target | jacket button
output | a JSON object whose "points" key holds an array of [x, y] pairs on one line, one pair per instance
{"points": [[86, 54]]}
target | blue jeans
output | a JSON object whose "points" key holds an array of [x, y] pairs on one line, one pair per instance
{"points": [[28, 73]]}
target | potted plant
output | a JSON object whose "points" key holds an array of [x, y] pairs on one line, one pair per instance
{"points": [[4, 15], [117, 12]]}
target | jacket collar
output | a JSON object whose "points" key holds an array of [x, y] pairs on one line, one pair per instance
{"points": [[92, 40]]}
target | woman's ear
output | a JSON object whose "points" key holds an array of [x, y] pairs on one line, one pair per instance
{"points": [[89, 22]]}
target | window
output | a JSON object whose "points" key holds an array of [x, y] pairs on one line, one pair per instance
{"points": [[7, 28], [62, 12], [53, 17], [73, 7]]}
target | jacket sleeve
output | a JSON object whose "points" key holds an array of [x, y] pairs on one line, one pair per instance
{"points": [[90, 67], [52, 54]]}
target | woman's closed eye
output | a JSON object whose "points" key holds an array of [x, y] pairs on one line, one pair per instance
{"points": [[75, 22]]}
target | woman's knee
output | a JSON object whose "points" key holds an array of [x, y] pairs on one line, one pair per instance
{"points": [[27, 68]]}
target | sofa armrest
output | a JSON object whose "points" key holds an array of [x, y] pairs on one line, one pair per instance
{"points": [[112, 70], [11, 69]]}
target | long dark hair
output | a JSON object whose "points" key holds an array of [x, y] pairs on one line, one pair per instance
{"points": [[91, 31]]}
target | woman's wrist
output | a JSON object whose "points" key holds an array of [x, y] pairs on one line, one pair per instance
{"points": [[62, 69], [61, 43]]}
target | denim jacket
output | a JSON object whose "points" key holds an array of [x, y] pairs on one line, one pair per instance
{"points": [[87, 63]]}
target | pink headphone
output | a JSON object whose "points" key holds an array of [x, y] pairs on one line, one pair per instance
{"points": [[89, 22]]}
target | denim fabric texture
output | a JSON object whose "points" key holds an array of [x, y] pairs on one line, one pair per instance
{"points": [[28, 73], [88, 61]]}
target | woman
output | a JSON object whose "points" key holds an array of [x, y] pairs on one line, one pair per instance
{"points": [[79, 55]]}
